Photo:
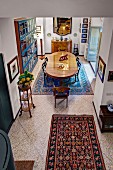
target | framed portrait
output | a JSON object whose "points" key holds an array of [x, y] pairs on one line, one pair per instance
{"points": [[84, 30], [83, 40], [13, 68], [84, 25], [85, 20], [38, 28], [84, 36], [110, 76], [101, 69]]}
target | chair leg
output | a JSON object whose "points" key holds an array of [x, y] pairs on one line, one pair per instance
{"points": [[67, 102], [55, 102]]}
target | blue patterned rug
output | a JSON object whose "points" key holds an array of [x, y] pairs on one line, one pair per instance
{"points": [[82, 87]]}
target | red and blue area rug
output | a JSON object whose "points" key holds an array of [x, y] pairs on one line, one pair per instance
{"points": [[73, 144], [82, 87]]}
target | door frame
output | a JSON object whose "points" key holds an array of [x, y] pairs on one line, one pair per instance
{"points": [[99, 43]]}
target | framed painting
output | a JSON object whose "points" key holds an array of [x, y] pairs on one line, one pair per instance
{"points": [[84, 25], [38, 28], [83, 40], [84, 30], [84, 36], [101, 69], [13, 68], [85, 20], [110, 76]]}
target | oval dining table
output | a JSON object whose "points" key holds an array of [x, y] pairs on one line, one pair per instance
{"points": [[61, 65]]}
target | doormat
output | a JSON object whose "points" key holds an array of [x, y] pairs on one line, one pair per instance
{"points": [[24, 165], [73, 144], [82, 87]]}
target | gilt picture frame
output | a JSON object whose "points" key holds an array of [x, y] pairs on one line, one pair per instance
{"points": [[101, 68], [13, 68]]}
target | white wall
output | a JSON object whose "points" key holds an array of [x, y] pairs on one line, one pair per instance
{"points": [[9, 50], [99, 97], [49, 29], [40, 22], [97, 22], [108, 87]]}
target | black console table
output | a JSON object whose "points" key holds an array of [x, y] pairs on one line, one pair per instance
{"points": [[105, 119]]}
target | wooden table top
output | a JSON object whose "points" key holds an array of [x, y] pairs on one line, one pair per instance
{"points": [[61, 69]]}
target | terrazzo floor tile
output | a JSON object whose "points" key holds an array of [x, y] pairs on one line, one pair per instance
{"points": [[29, 136]]}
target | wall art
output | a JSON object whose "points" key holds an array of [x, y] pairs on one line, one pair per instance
{"points": [[85, 20], [84, 25], [84, 36], [83, 40], [13, 68], [101, 68], [84, 30]]}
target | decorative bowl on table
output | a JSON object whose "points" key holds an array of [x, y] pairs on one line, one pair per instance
{"points": [[61, 66], [110, 107]]}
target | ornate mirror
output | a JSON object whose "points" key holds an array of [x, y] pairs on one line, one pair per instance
{"points": [[62, 26]]}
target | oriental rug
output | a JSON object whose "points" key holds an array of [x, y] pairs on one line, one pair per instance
{"points": [[81, 87], [73, 144]]}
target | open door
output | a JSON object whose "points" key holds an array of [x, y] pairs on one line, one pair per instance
{"points": [[6, 114], [93, 46]]}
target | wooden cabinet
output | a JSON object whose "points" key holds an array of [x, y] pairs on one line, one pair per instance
{"points": [[25, 30], [26, 100], [105, 119], [61, 46]]}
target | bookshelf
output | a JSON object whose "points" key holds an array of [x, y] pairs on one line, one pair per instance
{"points": [[25, 30]]}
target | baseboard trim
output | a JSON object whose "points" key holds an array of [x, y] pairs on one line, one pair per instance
{"points": [[48, 53], [41, 55], [96, 115], [91, 67], [17, 114], [13, 121]]}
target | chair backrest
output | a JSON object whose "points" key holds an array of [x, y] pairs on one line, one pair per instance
{"points": [[78, 62], [61, 90], [44, 64], [46, 59]]}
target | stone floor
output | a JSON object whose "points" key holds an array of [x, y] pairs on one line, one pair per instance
{"points": [[29, 136]]}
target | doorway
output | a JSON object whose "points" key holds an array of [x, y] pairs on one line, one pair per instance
{"points": [[95, 35], [6, 114]]}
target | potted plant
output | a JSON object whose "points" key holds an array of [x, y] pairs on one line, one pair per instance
{"points": [[25, 79]]}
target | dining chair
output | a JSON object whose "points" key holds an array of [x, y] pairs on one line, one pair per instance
{"points": [[77, 74], [44, 71], [61, 93], [78, 62], [46, 59], [44, 64]]}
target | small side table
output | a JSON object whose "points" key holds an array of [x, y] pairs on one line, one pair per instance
{"points": [[105, 119], [26, 100]]}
